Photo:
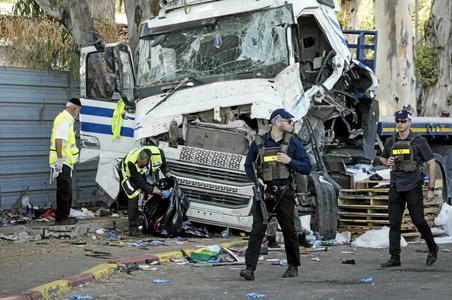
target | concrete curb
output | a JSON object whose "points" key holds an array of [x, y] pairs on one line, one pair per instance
{"points": [[58, 286]]}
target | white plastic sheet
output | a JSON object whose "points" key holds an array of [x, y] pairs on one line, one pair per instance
{"points": [[445, 218], [376, 239]]}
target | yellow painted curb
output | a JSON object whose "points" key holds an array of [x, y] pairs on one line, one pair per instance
{"points": [[101, 270], [53, 288]]}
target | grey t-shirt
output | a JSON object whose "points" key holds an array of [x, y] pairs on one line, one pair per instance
{"points": [[406, 181]]}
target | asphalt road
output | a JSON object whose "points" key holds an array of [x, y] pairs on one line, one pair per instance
{"points": [[325, 278]]}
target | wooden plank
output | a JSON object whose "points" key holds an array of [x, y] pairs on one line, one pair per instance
{"points": [[362, 214], [351, 206]]}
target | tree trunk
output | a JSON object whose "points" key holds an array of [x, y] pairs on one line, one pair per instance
{"points": [[76, 16], [438, 97], [395, 66], [137, 11], [349, 11], [104, 9]]}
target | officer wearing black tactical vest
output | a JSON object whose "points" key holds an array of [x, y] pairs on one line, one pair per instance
{"points": [[134, 169], [406, 153], [277, 155]]}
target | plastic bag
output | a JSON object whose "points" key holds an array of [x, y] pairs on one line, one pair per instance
{"points": [[376, 239], [206, 253], [165, 216], [445, 218]]}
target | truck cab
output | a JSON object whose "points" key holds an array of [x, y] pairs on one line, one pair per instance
{"points": [[207, 76]]}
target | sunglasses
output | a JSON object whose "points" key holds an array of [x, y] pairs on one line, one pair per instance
{"points": [[288, 121], [401, 121]]}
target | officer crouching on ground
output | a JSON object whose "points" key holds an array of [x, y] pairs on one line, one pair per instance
{"points": [[406, 152], [134, 169], [277, 154]]}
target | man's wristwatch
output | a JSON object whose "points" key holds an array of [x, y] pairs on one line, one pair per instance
{"points": [[161, 193], [431, 189]]}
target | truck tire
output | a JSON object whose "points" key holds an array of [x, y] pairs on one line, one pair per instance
{"points": [[325, 217]]}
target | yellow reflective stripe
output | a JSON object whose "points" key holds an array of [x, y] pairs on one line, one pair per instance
{"points": [[401, 151], [270, 158]]}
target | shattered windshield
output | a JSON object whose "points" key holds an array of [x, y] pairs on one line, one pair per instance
{"points": [[229, 45]]}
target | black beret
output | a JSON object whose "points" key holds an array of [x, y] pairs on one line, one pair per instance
{"points": [[75, 101]]}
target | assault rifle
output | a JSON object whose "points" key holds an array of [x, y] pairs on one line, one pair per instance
{"points": [[259, 197]]}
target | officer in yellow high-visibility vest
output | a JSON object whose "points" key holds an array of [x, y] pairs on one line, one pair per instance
{"points": [[63, 156], [134, 169]]}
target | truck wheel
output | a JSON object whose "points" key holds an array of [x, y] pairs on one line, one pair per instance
{"points": [[325, 217]]}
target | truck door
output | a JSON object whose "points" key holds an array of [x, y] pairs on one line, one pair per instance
{"points": [[98, 116]]}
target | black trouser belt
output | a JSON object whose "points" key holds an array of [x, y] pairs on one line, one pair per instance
{"points": [[275, 188]]}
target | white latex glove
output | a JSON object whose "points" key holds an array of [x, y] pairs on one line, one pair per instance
{"points": [[58, 165]]}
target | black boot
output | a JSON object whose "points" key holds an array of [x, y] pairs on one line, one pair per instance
{"points": [[291, 272], [432, 256], [247, 273], [272, 242], [303, 242], [392, 262], [135, 232]]}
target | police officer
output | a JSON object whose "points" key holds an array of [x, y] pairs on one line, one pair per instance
{"points": [[277, 154], [134, 169], [62, 158], [406, 152]]}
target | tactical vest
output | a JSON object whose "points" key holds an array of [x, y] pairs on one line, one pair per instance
{"points": [[155, 162], [268, 167], [403, 153], [69, 150]]}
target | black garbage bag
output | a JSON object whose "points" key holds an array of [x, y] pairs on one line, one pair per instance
{"points": [[165, 216]]}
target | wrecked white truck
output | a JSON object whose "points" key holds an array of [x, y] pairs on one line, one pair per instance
{"points": [[207, 76]]}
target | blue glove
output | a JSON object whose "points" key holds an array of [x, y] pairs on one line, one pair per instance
{"points": [[170, 175], [166, 194]]}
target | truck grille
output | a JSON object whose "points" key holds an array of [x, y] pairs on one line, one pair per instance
{"points": [[217, 198], [201, 172], [211, 158]]}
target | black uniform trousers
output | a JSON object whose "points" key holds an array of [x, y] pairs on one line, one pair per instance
{"points": [[414, 199], [133, 212], [63, 194], [284, 211]]}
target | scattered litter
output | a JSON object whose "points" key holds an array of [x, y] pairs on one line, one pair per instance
{"points": [[83, 214], [421, 251], [81, 297], [161, 281], [201, 264], [347, 252], [349, 262], [282, 262], [180, 238], [366, 280], [111, 235], [255, 295], [21, 237], [315, 259], [343, 237], [98, 254], [446, 250], [272, 259], [147, 268]]}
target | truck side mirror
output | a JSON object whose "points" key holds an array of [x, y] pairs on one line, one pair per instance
{"points": [[95, 39]]}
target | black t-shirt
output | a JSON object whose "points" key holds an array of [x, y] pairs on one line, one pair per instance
{"points": [[406, 181]]}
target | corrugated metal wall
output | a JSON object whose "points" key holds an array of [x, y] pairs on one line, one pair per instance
{"points": [[29, 102]]}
